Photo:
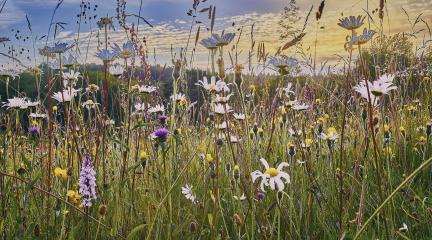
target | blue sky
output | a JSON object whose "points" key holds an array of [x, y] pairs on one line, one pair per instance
{"points": [[171, 24]]}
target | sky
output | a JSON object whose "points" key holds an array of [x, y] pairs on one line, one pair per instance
{"points": [[172, 25]]}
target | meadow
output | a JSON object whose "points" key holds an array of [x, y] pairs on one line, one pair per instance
{"points": [[257, 144]]}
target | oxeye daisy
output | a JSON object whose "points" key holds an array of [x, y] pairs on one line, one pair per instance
{"points": [[273, 177], [187, 193], [224, 39], [222, 109], [116, 70], [125, 52], [351, 22]]}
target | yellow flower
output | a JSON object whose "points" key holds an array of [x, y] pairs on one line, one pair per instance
{"points": [[55, 108], [272, 172], [252, 88], [308, 141], [260, 130], [411, 108], [73, 196], [331, 131], [422, 140], [58, 172], [183, 102], [426, 78], [318, 101], [386, 128], [236, 168], [402, 129], [143, 155], [283, 110], [209, 158]]}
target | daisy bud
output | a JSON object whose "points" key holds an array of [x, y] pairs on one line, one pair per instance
{"points": [[237, 220], [428, 129], [193, 226], [103, 209], [260, 196]]}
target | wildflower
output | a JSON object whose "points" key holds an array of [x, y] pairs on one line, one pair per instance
{"points": [[187, 192], [73, 196], [21, 103], [87, 182], [37, 115], [179, 97], [71, 76], [68, 61], [351, 22], [34, 132], [143, 155], [288, 89], [209, 43], [272, 177], [58, 172], [223, 39], [36, 71], [237, 220], [331, 134], [222, 109], [144, 88], [9, 73], [362, 38], [156, 109], [127, 51], [411, 108], [106, 56], [422, 140], [105, 22], [239, 116], [283, 63], [103, 209], [92, 88], [116, 70], [300, 107], [161, 134], [45, 51], [59, 48], [89, 104], [252, 88], [222, 99], [213, 85], [66, 96], [162, 119], [209, 158], [404, 228], [241, 198]]}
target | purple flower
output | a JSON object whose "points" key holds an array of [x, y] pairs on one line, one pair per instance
{"points": [[87, 182], [162, 119], [260, 196], [34, 131], [161, 134]]}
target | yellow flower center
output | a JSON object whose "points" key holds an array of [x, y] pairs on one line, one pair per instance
{"points": [[125, 52], [272, 172]]}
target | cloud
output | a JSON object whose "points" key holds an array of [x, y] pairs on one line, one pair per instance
{"points": [[11, 15]]}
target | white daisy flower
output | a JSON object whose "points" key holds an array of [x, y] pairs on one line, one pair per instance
{"points": [[66, 96], [156, 109], [116, 70], [239, 116], [222, 109], [187, 192], [273, 177]]}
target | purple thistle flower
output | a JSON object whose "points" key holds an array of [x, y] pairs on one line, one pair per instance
{"points": [[87, 182], [162, 119], [161, 134], [34, 131]]}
